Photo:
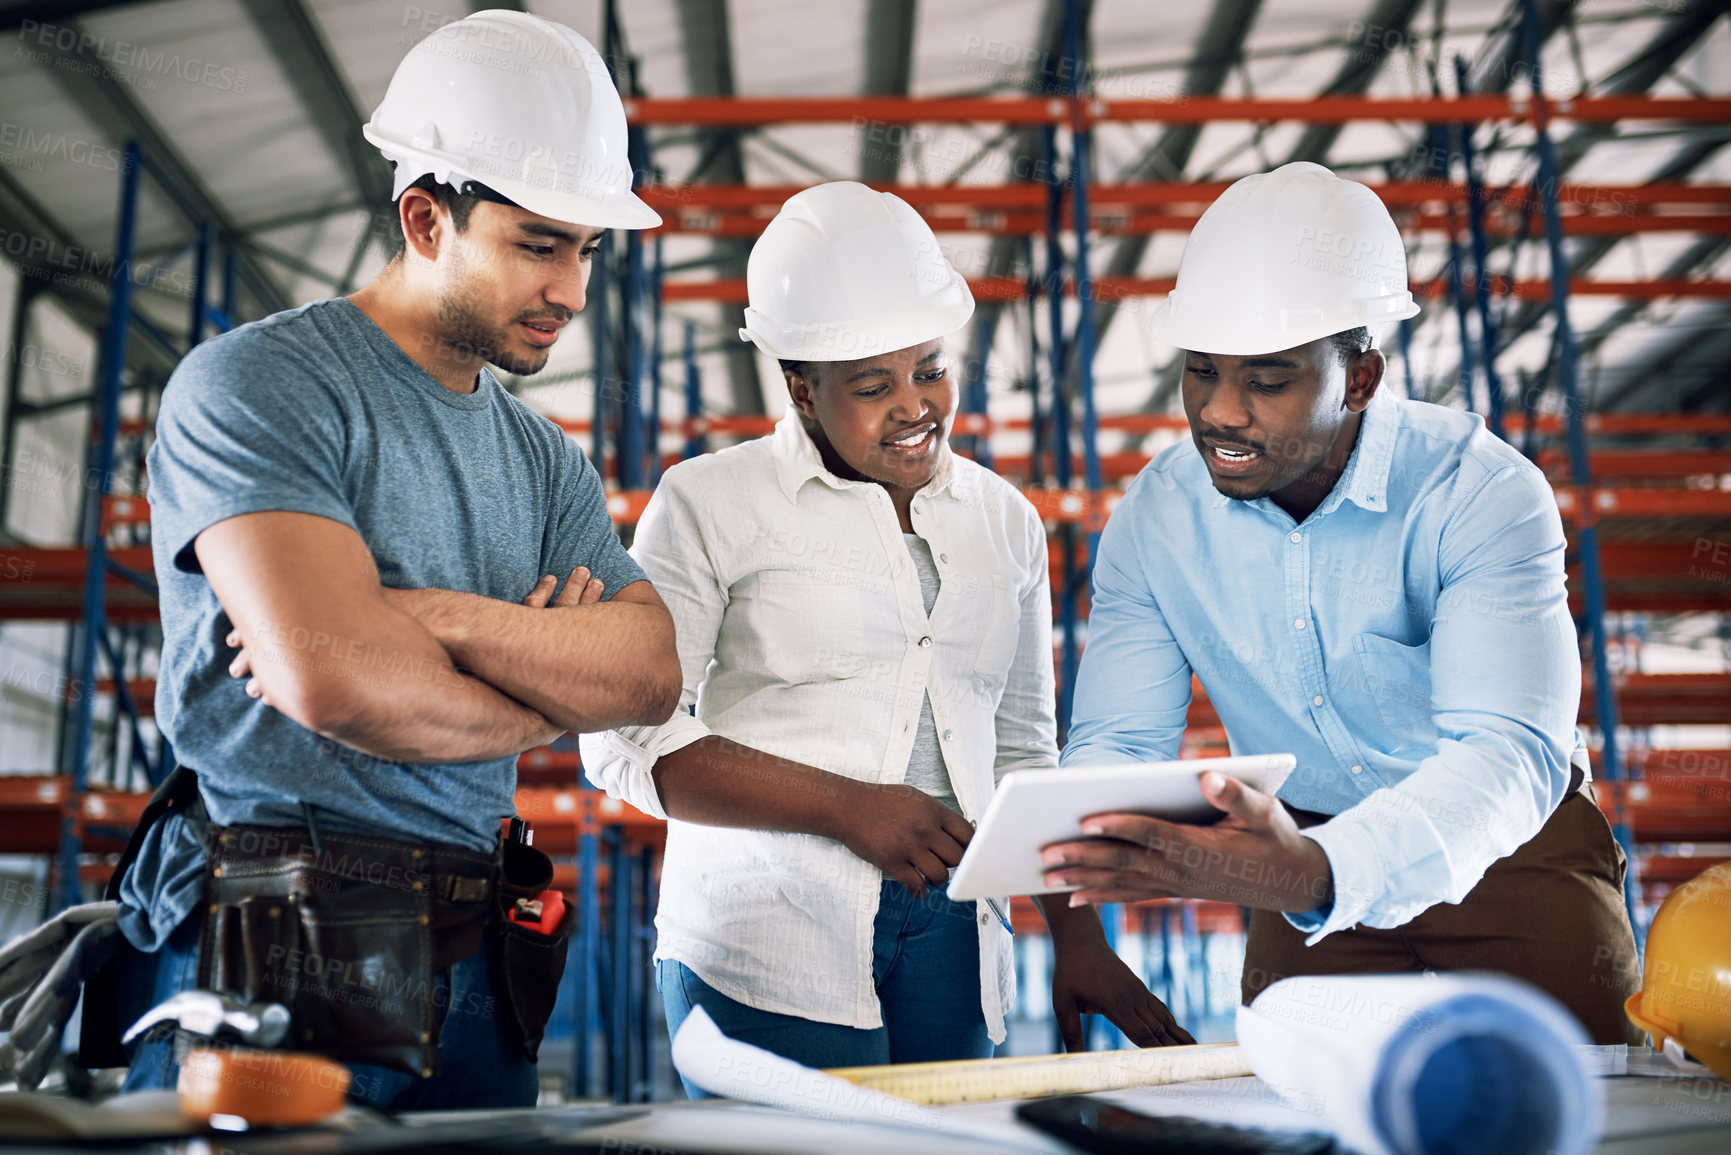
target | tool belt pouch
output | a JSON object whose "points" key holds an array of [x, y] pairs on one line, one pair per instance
{"points": [[350, 936], [531, 963]]}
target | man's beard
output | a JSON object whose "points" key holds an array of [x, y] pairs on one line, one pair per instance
{"points": [[462, 329]]}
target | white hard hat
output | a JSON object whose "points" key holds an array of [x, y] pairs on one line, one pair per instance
{"points": [[845, 272], [521, 105], [1282, 259]]}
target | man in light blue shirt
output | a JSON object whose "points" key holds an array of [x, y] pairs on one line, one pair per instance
{"points": [[1375, 585]]}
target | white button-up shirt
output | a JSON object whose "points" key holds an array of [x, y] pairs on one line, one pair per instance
{"points": [[802, 633]]}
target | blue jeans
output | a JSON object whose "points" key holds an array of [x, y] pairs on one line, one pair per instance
{"points": [[480, 1064], [926, 966]]}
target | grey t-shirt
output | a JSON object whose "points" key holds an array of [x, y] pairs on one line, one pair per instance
{"points": [[316, 410], [926, 769]]}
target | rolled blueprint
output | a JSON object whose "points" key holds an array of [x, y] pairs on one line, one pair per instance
{"points": [[736, 1070], [1428, 1064]]}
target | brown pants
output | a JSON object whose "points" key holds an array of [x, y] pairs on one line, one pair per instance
{"points": [[1551, 913]]}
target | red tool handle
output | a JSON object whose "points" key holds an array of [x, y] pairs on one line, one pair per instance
{"points": [[543, 913]]}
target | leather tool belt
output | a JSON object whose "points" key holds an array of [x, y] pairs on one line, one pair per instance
{"points": [[348, 932], [351, 933]]}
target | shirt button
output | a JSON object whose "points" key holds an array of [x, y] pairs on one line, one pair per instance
{"points": [[1316, 701], [1298, 623], [944, 557], [925, 643], [1297, 537], [946, 735], [1358, 769]]}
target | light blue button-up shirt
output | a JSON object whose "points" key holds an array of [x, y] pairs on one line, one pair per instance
{"points": [[1409, 641]]}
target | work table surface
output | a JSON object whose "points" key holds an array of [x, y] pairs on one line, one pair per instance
{"points": [[1644, 1116]]}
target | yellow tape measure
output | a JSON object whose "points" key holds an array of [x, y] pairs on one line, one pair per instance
{"points": [[1035, 1076]]}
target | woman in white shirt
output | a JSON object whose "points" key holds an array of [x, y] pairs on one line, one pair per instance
{"points": [[864, 623]]}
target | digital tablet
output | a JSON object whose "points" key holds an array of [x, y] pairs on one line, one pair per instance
{"points": [[1033, 808]]}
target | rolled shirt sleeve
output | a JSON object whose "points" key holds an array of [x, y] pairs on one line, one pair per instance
{"points": [[1505, 686], [1026, 723], [672, 548]]}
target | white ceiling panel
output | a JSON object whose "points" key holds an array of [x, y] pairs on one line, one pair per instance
{"points": [[51, 151], [367, 39], [202, 72], [974, 46], [789, 48], [656, 39]]}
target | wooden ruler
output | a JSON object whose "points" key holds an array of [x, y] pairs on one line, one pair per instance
{"points": [[1035, 1076]]}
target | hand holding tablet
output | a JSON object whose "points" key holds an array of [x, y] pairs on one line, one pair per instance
{"points": [[1035, 808]]}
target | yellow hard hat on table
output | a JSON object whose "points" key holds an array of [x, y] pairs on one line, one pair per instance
{"points": [[1685, 996]]}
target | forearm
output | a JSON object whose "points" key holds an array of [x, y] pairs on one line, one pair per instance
{"points": [[586, 668], [718, 782], [320, 643], [469, 722], [1069, 925], [394, 693]]}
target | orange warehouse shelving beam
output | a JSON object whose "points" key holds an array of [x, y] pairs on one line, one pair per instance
{"points": [[1636, 424], [1637, 502], [744, 111], [1667, 809], [1671, 870], [1659, 561], [1017, 209], [1667, 700], [1343, 109], [48, 585], [1108, 221], [31, 807], [1682, 764], [1028, 197], [1625, 463]]}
